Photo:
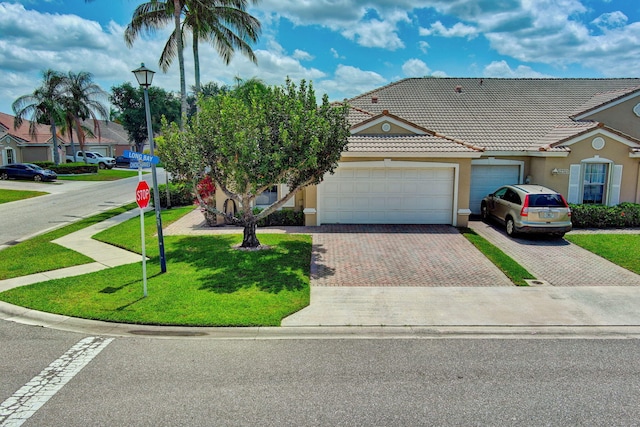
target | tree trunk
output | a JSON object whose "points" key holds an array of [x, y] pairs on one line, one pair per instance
{"points": [[250, 240], [196, 62], [180, 47], [56, 157]]}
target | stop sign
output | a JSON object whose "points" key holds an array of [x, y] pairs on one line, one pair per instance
{"points": [[143, 195]]}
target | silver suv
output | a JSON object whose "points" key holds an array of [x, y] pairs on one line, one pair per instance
{"points": [[528, 209]]}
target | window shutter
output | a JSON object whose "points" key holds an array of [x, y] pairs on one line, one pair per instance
{"points": [[573, 193], [616, 181], [284, 190]]}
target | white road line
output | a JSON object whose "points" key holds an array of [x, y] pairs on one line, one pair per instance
{"points": [[25, 402]]}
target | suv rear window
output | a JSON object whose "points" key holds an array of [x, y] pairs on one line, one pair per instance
{"points": [[546, 200]]}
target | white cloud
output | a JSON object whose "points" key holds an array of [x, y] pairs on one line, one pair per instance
{"points": [[349, 18], [611, 20], [302, 55], [423, 46], [457, 30], [415, 68], [502, 69], [348, 82]]}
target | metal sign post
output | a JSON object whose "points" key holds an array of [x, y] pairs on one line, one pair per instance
{"points": [[142, 199]]}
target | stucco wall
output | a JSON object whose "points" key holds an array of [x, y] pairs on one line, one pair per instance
{"points": [[620, 117], [377, 130], [582, 150]]}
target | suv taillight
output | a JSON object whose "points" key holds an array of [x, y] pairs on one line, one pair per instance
{"points": [[566, 205], [525, 207]]}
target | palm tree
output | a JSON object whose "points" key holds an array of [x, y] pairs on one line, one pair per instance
{"points": [[224, 23], [82, 100], [44, 105]]}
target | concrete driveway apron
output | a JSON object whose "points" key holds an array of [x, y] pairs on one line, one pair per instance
{"points": [[399, 255], [557, 261]]}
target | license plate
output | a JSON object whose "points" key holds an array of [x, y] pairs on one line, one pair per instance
{"points": [[547, 214]]}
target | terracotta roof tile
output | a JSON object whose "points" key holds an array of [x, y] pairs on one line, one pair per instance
{"points": [[405, 143], [496, 114]]}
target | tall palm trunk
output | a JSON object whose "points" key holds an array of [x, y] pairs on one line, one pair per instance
{"points": [[73, 146], [183, 84], [196, 61], [56, 156]]}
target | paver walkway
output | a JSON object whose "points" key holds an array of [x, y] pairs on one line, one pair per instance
{"points": [[380, 255], [399, 255], [557, 261]]}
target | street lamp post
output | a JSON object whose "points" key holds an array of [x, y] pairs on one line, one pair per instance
{"points": [[144, 77]]}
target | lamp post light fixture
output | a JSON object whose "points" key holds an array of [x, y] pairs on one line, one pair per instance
{"points": [[144, 76]]}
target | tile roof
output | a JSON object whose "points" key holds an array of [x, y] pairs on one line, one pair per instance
{"points": [[600, 99], [110, 132], [42, 135], [405, 143], [563, 133], [495, 114]]}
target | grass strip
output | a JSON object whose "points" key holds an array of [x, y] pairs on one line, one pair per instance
{"points": [[38, 254], [102, 175], [7, 196], [514, 271], [621, 249]]}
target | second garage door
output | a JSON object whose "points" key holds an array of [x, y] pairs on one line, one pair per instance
{"points": [[488, 178], [387, 196]]}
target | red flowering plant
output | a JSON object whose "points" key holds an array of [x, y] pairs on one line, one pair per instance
{"points": [[206, 189]]}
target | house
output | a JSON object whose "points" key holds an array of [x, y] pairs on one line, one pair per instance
{"points": [[18, 145], [427, 150]]}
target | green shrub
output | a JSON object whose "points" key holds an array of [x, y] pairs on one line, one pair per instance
{"points": [[45, 165], [181, 194], [600, 216], [278, 218], [74, 168]]}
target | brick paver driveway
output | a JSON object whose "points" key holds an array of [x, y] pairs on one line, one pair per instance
{"points": [[557, 261], [398, 255]]}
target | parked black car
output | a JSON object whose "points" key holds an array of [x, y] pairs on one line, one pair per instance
{"points": [[26, 171], [122, 161]]}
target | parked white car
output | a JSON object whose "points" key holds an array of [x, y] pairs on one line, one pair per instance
{"points": [[93, 158]]}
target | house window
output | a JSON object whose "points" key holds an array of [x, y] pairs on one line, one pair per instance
{"points": [[11, 156], [594, 183], [268, 197]]}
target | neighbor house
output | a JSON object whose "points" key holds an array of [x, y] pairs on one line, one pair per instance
{"points": [[427, 150], [18, 145]]}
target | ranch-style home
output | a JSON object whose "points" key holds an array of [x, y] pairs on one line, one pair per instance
{"points": [[427, 150], [20, 146]]}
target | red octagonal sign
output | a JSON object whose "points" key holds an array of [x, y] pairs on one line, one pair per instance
{"points": [[143, 195]]}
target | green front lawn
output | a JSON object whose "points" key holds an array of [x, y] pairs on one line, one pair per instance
{"points": [[38, 254], [7, 196], [621, 249], [207, 283], [102, 175]]}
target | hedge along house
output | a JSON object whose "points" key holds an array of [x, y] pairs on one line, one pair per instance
{"points": [[427, 150], [18, 145]]}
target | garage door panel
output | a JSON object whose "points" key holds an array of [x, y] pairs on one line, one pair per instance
{"points": [[488, 178], [387, 196]]}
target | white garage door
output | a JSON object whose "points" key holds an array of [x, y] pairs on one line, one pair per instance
{"points": [[387, 196], [485, 179]]}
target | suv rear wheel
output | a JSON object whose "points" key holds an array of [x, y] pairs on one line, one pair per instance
{"points": [[510, 227]]}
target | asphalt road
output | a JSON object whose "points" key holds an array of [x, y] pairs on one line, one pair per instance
{"points": [[325, 382], [67, 201]]}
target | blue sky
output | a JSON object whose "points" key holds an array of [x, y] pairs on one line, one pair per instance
{"points": [[345, 47]]}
